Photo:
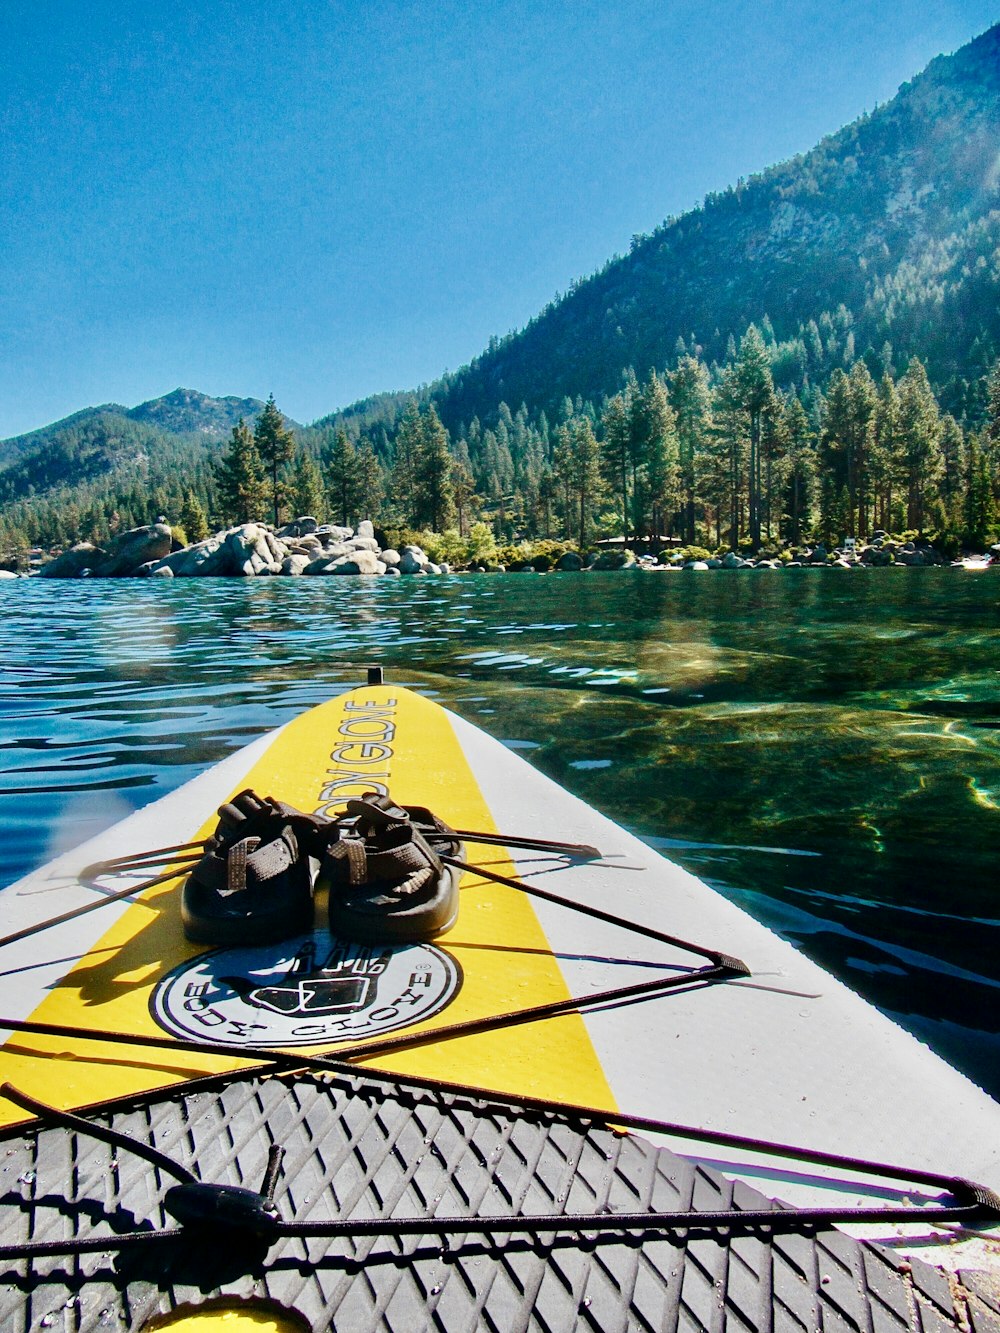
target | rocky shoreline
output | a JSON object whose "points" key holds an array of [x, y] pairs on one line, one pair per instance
{"points": [[305, 547]]}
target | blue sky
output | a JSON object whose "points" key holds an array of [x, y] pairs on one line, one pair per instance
{"points": [[324, 199]]}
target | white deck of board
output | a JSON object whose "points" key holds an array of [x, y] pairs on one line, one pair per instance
{"points": [[790, 1054]]}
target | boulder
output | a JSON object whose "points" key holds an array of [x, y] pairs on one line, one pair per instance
{"points": [[390, 557], [203, 558], [307, 546], [247, 549], [569, 560], [7, 574], [732, 561], [366, 529], [432, 568], [299, 527], [361, 543], [277, 548], [412, 560], [128, 550], [331, 532], [363, 562], [294, 564], [323, 564], [393, 570], [696, 564], [72, 563]]}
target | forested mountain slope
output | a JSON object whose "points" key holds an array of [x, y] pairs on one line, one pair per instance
{"points": [[893, 218], [177, 430]]}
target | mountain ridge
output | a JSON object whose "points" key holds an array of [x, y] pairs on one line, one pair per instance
{"points": [[180, 412]]}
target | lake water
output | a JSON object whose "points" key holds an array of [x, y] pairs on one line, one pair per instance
{"points": [[822, 747]]}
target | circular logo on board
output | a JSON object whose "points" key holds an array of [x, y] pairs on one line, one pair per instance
{"points": [[308, 991]]}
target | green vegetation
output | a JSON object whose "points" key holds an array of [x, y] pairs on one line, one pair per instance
{"points": [[812, 354], [709, 458]]}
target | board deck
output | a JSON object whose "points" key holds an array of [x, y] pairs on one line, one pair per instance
{"points": [[787, 1053]]}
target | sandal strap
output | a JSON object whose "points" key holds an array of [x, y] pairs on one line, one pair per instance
{"points": [[351, 850], [399, 856], [378, 811], [249, 815], [247, 864]]}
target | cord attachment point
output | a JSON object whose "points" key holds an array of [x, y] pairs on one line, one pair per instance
{"points": [[231, 1206]]}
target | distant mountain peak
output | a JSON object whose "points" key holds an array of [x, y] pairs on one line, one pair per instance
{"points": [[188, 411]]}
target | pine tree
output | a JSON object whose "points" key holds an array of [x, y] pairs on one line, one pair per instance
{"points": [[920, 436], [463, 488], [192, 518], [406, 449], [955, 470], [563, 469], [726, 463], [754, 390], [240, 478], [800, 469], [864, 398], [661, 475], [691, 399], [885, 464], [586, 472], [616, 450], [834, 446], [306, 491], [433, 496], [342, 479], [276, 447], [980, 505], [371, 487]]}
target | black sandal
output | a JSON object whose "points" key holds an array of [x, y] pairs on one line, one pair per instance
{"points": [[254, 882], [386, 879]]}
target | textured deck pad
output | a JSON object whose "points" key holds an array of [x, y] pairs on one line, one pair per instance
{"points": [[359, 1148]]}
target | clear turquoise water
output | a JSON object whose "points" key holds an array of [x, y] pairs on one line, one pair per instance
{"points": [[822, 747]]}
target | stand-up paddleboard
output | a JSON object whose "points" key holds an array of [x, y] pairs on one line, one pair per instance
{"points": [[445, 1080]]}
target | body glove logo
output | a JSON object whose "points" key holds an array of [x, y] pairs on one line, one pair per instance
{"points": [[308, 991]]}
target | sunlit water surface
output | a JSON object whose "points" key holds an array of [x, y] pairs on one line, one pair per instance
{"points": [[821, 747]]}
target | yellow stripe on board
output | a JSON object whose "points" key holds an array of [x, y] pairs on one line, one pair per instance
{"points": [[375, 737]]}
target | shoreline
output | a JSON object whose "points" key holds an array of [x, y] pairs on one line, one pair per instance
{"points": [[306, 548]]}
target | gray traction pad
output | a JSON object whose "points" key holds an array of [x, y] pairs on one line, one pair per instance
{"points": [[364, 1148]]}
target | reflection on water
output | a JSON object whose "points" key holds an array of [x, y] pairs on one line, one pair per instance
{"points": [[824, 750]]}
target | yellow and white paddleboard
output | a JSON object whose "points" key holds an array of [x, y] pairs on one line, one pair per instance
{"points": [[786, 1053]]}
